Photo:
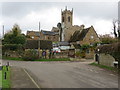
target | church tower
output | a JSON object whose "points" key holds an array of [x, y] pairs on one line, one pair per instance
{"points": [[66, 18]]}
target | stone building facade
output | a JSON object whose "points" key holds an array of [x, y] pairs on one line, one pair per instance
{"points": [[69, 29], [86, 35], [44, 35]]}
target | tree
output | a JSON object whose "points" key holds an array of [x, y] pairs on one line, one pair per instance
{"points": [[14, 36], [116, 29], [107, 39]]}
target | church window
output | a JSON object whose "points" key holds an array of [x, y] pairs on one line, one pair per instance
{"points": [[69, 19], [62, 19]]}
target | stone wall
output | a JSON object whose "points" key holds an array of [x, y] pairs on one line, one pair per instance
{"points": [[89, 55], [106, 59], [63, 54], [70, 31], [90, 38], [42, 37]]}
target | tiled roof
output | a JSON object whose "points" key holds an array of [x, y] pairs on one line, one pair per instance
{"points": [[79, 35], [48, 32]]}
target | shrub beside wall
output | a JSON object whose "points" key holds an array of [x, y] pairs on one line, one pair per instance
{"points": [[30, 55]]}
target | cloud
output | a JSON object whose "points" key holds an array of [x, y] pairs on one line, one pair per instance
{"points": [[27, 14], [103, 26], [48, 18]]}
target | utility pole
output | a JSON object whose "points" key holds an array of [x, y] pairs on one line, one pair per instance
{"points": [[39, 42], [3, 31]]}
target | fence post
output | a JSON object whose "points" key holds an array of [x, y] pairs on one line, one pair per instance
{"points": [[6, 67], [5, 76]]}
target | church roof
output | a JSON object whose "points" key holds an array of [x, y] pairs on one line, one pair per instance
{"points": [[43, 32], [79, 35], [48, 32]]}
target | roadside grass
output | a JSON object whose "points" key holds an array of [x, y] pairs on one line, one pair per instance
{"points": [[0, 78], [42, 59], [104, 67], [54, 59], [12, 58], [5, 82]]}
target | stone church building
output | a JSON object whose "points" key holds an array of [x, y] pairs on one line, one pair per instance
{"points": [[74, 33], [70, 33]]}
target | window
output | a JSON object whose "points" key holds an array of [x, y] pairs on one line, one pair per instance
{"points": [[48, 38], [92, 37], [87, 51], [32, 37], [62, 19], [69, 19]]}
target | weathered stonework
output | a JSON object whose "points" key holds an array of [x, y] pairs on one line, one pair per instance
{"points": [[70, 31], [33, 36], [106, 59], [90, 38]]}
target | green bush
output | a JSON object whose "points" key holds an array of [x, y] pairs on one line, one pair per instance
{"points": [[12, 47], [30, 55], [80, 54]]}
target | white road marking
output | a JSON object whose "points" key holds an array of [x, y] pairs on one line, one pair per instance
{"points": [[31, 79]]}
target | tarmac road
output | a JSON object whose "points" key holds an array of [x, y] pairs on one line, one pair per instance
{"points": [[68, 74]]}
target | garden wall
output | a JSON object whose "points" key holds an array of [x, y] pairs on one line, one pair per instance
{"points": [[106, 59]]}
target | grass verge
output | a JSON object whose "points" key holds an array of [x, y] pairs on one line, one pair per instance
{"points": [[20, 59], [12, 58], [104, 67], [5, 82], [0, 78], [54, 59]]}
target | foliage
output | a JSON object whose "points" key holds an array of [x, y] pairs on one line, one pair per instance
{"points": [[85, 47], [5, 83], [30, 55], [80, 54], [12, 58], [103, 66], [12, 47], [14, 36], [116, 29], [42, 59], [112, 49], [107, 39], [13, 41], [54, 59]]}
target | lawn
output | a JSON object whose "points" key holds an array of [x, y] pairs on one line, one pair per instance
{"points": [[12, 58], [0, 79], [104, 67], [54, 59], [5, 83]]}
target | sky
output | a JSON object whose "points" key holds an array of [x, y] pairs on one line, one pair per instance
{"points": [[28, 14]]}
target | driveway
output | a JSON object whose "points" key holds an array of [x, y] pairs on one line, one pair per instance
{"points": [[68, 74]]}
